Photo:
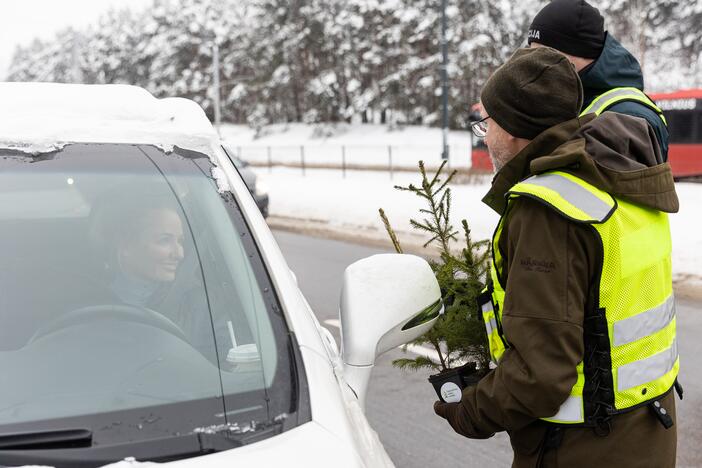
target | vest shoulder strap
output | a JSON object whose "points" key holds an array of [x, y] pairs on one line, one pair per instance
{"points": [[616, 95], [570, 196]]}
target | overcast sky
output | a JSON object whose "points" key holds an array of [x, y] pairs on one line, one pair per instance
{"points": [[23, 20]]}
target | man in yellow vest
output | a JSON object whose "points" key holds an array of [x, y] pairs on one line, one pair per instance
{"points": [[579, 309], [612, 78]]}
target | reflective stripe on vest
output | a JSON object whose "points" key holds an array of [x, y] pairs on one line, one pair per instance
{"points": [[570, 412], [645, 323], [635, 305], [495, 339], [490, 323], [606, 100], [562, 191], [647, 370]]}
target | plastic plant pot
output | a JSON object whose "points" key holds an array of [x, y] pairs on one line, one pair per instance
{"points": [[450, 383]]}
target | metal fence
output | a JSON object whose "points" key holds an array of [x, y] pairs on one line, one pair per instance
{"points": [[390, 158]]}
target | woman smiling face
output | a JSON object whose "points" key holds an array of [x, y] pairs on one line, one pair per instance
{"points": [[155, 250]]}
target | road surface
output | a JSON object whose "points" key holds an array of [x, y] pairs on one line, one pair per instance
{"points": [[399, 404]]}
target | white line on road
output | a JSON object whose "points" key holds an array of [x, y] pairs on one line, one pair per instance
{"points": [[416, 349]]}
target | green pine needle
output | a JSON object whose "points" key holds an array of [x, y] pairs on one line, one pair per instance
{"points": [[461, 277]]}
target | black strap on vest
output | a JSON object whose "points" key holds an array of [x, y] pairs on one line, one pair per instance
{"points": [[553, 438], [678, 389], [661, 413]]}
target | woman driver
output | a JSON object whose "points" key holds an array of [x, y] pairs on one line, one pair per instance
{"points": [[142, 240], [147, 254]]}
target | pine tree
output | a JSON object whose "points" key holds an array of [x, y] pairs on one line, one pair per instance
{"points": [[334, 60], [459, 333]]}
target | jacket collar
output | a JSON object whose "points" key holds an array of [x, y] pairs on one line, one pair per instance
{"points": [[614, 68], [517, 169]]}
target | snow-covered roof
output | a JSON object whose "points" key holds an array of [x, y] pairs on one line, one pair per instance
{"points": [[41, 117]]}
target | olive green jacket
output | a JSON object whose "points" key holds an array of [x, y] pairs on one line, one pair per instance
{"points": [[544, 308]]}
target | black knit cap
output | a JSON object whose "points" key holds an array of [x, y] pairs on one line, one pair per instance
{"points": [[533, 91], [571, 26]]}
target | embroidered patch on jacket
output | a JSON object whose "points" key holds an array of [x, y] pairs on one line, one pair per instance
{"points": [[539, 266]]}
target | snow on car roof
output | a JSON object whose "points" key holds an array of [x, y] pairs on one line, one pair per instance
{"points": [[42, 117]]}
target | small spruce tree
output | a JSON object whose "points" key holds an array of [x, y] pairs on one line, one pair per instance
{"points": [[459, 334]]}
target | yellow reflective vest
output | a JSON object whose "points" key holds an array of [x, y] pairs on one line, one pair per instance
{"points": [[616, 95], [631, 356]]}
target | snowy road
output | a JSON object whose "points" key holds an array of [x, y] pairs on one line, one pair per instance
{"points": [[400, 403]]}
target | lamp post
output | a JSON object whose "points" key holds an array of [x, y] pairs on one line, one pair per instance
{"points": [[76, 71], [444, 83], [215, 72]]}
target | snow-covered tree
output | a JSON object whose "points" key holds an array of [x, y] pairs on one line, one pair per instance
{"points": [[60, 60], [336, 60]]}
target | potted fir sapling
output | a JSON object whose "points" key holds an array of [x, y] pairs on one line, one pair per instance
{"points": [[458, 336]]}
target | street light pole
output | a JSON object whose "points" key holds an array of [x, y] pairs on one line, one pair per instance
{"points": [[444, 82], [76, 72], [215, 72]]}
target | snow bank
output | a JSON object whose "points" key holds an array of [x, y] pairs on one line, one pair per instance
{"points": [[323, 195], [353, 202]]}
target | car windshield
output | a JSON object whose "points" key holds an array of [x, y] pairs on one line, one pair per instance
{"points": [[133, 300]]}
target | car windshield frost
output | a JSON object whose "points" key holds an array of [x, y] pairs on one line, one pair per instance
{"points": [[133, 301]]}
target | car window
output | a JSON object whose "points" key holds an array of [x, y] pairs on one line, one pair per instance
{"points": [[133, 300]]}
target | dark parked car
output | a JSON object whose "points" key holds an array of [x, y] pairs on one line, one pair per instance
{"points": [[259, 191]]}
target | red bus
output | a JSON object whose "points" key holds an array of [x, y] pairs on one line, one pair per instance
{"points": [[682, 110]]}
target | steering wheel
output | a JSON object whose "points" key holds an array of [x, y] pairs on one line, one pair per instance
{"points": [[123, 312]]}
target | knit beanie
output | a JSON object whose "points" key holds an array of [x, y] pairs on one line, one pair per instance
{"points": [[571, 26], [533, 91]]}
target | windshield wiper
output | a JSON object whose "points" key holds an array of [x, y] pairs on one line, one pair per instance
{"points": [[43, 440], [163, 449]]}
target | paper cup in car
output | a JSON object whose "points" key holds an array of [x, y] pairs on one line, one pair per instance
{"points": [[244, 357]]}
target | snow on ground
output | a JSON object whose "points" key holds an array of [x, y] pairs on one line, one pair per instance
{"points": [[363, 144], [351, 204], [686, 227]]}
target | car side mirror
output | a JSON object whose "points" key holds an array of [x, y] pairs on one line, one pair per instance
{"points": [[387, 300]]}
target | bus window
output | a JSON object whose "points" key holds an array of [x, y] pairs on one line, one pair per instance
{"points": [[683, 111], [681, 125]]}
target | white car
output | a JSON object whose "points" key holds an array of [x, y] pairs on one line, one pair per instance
{"points": [[147, 313]]}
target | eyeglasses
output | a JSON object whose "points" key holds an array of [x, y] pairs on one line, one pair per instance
{"points": [[479, 128]]}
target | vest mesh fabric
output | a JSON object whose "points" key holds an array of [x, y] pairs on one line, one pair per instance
{"points": [[636, 277], [635, 304]]}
